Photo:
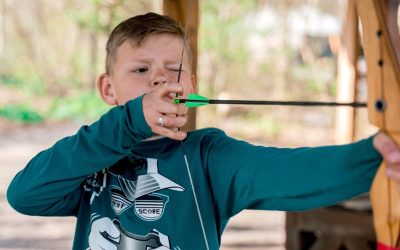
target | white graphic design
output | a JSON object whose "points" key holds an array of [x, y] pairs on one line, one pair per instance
{"points": [[101, 227], [149, 205], [95, 184], [119, 202], [108, 234], [148, 183]]}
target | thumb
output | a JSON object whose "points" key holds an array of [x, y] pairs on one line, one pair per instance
{"points": [[387, 148]]}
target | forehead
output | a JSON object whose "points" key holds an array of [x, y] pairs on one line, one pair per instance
{"points": [[160, 39], [166, 48], [163, 46]]}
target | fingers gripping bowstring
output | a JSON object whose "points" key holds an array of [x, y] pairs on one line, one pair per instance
{"points": [[182, 144]]}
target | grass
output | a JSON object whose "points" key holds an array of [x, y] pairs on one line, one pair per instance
{"points": [[21, 113]]}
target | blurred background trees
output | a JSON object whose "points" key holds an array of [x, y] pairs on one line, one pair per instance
{"points": [[52, 51]]}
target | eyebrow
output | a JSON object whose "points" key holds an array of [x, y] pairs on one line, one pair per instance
{"points": [[147, 60], [173, 61], [141, 60]]}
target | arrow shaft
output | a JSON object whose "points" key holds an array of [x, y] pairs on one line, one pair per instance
{"points": [[276, 103]]}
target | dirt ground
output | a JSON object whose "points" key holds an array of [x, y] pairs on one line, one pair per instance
{"points": [[251, 230]]}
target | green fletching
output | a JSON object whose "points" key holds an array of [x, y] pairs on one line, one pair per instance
{"points": [[194, 100], [195, 104], [196, 97]]}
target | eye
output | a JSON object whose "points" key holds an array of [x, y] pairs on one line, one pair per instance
{"points": [[141, 70], [175, 69]]}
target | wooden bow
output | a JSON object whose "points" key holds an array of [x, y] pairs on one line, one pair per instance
{"points": [[381, 42]]}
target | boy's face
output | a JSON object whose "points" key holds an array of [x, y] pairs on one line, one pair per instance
{"points": [[139, 69]]}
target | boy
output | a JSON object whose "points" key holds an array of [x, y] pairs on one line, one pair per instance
{"points": [[132, 190]]}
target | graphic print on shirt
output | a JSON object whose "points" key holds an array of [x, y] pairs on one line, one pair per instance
{"points": [[148, 205], [151, 206], [109, 234], [96, 184]]}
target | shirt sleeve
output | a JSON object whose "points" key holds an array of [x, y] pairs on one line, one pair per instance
{"points": [[244, 176], [50, 183]]}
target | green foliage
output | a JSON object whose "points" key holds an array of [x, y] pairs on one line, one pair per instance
{"points": [[81, 106], [223, 32], [10, 80], [269, 125], [333, 88], [265, 122], [313, 86], [21, 113], [30, 83], [89, 18], [224, 28]]}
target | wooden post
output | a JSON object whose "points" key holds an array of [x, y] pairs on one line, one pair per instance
{"points": [[347, 75], [186, 11]]}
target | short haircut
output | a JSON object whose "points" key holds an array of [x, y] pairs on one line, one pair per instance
{"points": [[136, 29]]}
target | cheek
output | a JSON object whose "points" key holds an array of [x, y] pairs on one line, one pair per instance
{"points": [[187, 85], [130, 92], [136, 91]]}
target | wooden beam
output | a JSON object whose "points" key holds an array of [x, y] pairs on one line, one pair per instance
{"points": [[347, 75], [186, 11]]}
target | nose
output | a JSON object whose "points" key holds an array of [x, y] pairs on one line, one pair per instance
{"points": [[159, 77]]}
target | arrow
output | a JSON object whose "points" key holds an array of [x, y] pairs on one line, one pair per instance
{"points": [[194, 100]]}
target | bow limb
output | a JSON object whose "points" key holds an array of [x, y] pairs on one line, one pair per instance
{"points": [[381, 43]]}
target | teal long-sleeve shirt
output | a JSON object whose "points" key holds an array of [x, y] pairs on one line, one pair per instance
{"points": [[132, 193]]}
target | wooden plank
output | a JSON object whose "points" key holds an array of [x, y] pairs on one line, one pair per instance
{"points": [[186, 12], [332, 226], [326, 242], [293, 238], [340, 222], [357, 244]]}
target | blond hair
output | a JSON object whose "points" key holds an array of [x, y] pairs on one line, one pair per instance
{"points": [[136, 29]]}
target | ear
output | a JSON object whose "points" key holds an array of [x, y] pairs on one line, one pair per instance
{"points": [[106, 90]]}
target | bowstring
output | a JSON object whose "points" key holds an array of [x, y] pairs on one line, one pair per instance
{"points": [[182, 143]]}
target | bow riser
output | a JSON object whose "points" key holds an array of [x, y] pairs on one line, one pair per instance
{"points": [[383, 76]]}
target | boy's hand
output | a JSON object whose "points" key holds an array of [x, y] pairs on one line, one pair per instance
{"points": [[163, 116], [390, 153]]}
